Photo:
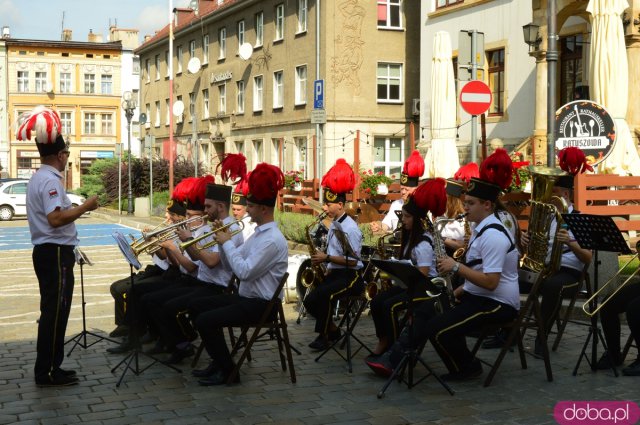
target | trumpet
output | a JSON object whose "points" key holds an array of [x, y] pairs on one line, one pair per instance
{"points": [[184, 245], [151, 240], [591, 301], [135, 242], [172, 227]]}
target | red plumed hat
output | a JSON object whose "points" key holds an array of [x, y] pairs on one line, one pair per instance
{"points": [[467, 171], [412, 170], [46, 124], [573, 161], [233, 167], [429, 196], [496, 173], [176, 204], [196, 189], [239, 196], [264, 183], [338, 181]]}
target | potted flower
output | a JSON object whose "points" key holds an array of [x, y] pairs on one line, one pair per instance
{"points": [[293, 180], [521, 176], [375, 183]]}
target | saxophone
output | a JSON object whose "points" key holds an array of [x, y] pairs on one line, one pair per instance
{"points": [[380, 282], [314, 274]]}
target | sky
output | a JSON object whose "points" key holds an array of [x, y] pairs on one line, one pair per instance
{"points": [[42, 19]]}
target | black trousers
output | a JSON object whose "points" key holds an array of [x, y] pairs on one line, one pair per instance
{"points": [[627, 301], [53, 265], [338, 283], [226, 310], [120, 288], [447, 331], [386, 307]]}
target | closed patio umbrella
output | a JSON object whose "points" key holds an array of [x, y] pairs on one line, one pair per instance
{"points": [[609, 81], [442, 158]]}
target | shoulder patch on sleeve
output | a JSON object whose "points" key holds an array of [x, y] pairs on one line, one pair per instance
{"points": [[53, 193]]}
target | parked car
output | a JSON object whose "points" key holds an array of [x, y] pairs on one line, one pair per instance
{"points": [[13, 198]]}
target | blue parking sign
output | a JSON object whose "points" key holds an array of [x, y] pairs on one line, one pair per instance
{"points": [[318, 94]]}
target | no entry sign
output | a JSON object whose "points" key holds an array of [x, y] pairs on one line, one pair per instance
{"points": [[475, 97]]}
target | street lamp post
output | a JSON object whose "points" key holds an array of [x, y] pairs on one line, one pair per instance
{"points": [[129, 105]]}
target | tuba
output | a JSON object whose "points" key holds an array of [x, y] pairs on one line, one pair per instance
{"points": [[314, 274], [380, 281], [545, 207]]}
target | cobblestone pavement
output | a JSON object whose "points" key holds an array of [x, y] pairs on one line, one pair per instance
{"points": [[324, 393]]}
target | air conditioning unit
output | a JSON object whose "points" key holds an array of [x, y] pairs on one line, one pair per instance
{"points": [[415, 107]]}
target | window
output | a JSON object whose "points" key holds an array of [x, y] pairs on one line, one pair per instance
{"points": [[301, 85], [257, 93], [445, 3], [258, 155], [23, 81], [240, 97], [65, 82], [41, 81], [205, 104], [239, 147], [222, 41], [167, 116], [495, 61], [572, 79], [192, 49], [388, 155], [166, 61], [65, 120], [389, 13], [302, 15], [300, 154], [107, 124], [89, 83], [389, 82], [89, 123], [147, 70], [278, 90], [157, 62], [205, 49], [279, 22], [157, 114], [259, 28], [240, 33], [179, 60], [222, 100], [276, 150], [147, 111], [106, 84], [192, 106], [179, 117], [136, 66]]}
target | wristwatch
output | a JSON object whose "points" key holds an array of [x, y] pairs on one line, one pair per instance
{"points": [[456, 268], [328, 259]]}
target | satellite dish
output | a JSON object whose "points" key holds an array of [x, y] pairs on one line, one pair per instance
{"points": [[48, 88], [178, 108], [142, 118], [245, 51], [193, 65]]}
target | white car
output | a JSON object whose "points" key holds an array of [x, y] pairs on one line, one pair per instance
{"points": [[13, 199]]}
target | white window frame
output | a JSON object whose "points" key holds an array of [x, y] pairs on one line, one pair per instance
{"points": [[192, 49], [179, 54], [148, 113], [276, 142], [180, 117], [192, 106], [386, 165], [241, 33], [205, 49], [258, 93], [222, 43], [167, 116], [157, 62], [301, 85], [222, 99], [259, 29], [23, 81], [89, 123], [278, 89], [300, 154], [239, 145], [302, 16], [166, 62], [106, 84], [157, 114], [106, 123], [89, 83], [205, 104], [240, 95], [386, 76], [66, 119], [279, 22], [392, 7], [257, 151], [65, 82], [40, 79], [147, 70]]}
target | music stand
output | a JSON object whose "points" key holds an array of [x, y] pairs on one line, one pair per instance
{"points": [[598, 233], [81, 338], [410, 278], [134, 355]]}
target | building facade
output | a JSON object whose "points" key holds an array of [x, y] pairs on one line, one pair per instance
{"points": [[80, 80], [258, 99]]}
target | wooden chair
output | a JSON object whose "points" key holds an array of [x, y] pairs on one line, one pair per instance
{"points": [[273, 322]]}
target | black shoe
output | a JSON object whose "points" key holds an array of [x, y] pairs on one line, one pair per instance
{"points": [[633, 369], [147, 338], [474, 370], [219, 377], [319, 344], [381, 365], [180, 354], [120, 330], [125, 347], [68, 372], [206, 372], [605, 362], [58, 380], [157, 349]]}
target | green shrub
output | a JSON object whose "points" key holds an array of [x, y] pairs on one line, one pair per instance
{"points": [[292, 225]]}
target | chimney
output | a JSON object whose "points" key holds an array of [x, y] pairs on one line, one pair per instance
{"points": [[147, 38], [94, 38], [6, 32], [66, 34]]}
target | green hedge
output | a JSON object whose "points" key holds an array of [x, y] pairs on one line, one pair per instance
{"points": [[292, 226]]}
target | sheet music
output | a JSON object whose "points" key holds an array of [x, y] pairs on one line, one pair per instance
{"points": [[126, 250]]}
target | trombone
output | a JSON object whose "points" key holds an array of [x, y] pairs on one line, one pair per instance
{"points": [[590, 301], [184, 245]]}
